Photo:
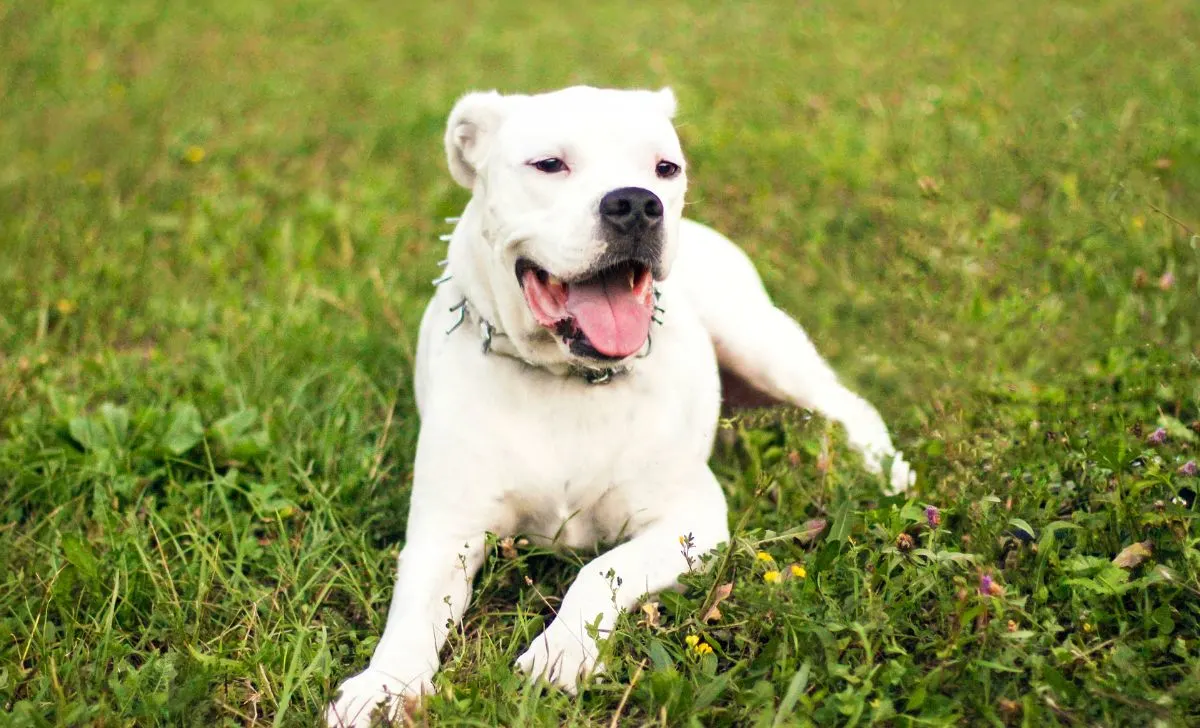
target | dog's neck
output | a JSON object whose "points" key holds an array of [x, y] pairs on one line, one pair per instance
{"points": [[468, 263], [505, 328]]}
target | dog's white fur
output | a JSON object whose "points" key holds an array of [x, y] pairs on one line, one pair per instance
{"points": [[512, 441]]}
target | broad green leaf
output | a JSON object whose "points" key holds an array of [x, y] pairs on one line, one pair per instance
{"points": [[87, 434], [795, 689], [711, 690], [996, 666], [1023, 525], [234, 425], [116, 421], [185, 430], [79, 554], [839, 532], [659, 657]]}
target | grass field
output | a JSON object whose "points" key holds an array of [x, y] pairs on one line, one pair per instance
{"points": [[218, 223]]}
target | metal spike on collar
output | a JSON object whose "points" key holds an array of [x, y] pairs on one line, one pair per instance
{"points": [[441, 280], [649, 346], [598, 376], [486, 330], [445, 238], [453, 220], [461, 307]]}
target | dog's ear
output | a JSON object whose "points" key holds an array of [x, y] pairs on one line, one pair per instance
{"points": [[472, 123], [666, 101]]}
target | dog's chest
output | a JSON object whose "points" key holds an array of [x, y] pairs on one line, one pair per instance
{"points": [[585, 461], [569, 461]]}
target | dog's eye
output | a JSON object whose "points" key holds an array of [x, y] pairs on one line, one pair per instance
{"points": [[550, 165], [666, 170]]}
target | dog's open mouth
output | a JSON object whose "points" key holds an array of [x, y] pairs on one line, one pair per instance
{"points": [[606, 315]]}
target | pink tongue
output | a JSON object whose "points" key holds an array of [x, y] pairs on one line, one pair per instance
{"points": [[610, 315]]}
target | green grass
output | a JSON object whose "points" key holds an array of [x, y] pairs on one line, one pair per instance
{"points": [[217, 226]]}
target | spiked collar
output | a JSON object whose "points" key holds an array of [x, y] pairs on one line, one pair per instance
{"points": [[495, 341]]}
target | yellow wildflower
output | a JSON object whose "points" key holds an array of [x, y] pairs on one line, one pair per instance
{"points": [[771, 577], [692, 640], [798, 571], [703, 649], [1139, 222], [194, 154], [764, 556], [65, 306]]}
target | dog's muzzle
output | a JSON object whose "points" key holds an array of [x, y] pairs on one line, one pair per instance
{"points": [[604, 313], [631, 225]]}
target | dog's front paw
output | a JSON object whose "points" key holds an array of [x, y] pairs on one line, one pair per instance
{"points": [[902, 476], [560, 657], [374, 693]]}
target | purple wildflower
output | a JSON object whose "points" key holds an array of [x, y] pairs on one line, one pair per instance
{"points": [[1167, 281], [1157, 437], [985, 584], [1189, 468], [933, 516]]}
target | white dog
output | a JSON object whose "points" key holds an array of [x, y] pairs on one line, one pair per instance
{"points": [[567, 377]]}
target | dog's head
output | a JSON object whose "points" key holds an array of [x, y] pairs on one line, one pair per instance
{"points": [[580, 196]]}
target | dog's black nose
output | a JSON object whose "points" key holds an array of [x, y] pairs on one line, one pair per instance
{"points": [[631, 209]]}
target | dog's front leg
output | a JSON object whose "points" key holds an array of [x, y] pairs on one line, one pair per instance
{"points": [[649, 562], [775, 355], [433, 586], [770, 350]]}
